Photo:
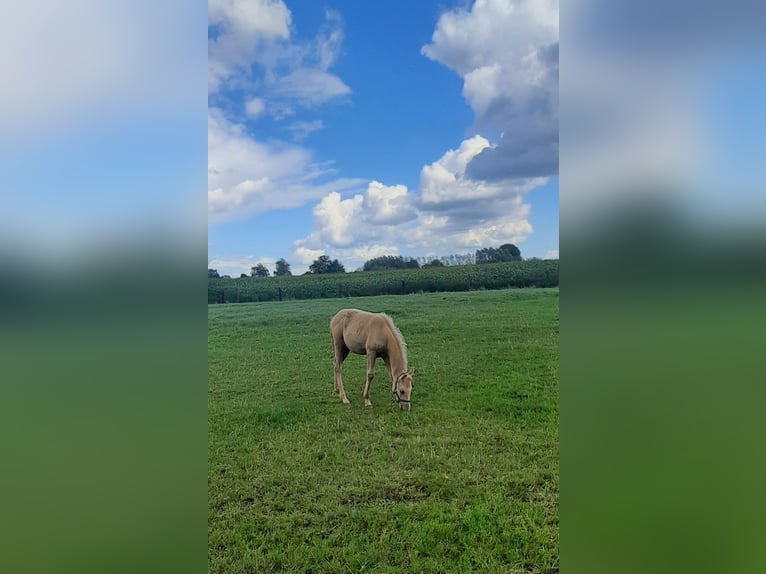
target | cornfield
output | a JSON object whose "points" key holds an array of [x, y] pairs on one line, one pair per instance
{"points": [[536, 273]]}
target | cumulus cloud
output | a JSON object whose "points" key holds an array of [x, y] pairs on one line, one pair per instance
{"points": [[507, 54], [471, 212], [451, 212], [444, 181], [307, 256], [388, 205], [342, 223], [465, 229]]}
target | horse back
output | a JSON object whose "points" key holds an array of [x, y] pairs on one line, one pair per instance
{"points": [[359, 330]]}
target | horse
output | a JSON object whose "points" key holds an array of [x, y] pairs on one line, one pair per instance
{"points": [[374, 335]]}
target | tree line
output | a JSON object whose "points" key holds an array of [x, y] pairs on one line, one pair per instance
{"points": [[323, 264]]}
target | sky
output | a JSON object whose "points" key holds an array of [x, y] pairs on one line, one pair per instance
{"points": [[360, 129]]}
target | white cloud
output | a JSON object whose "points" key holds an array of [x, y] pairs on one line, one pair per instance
{"points": [[365, 252], [250, 49], [551, 254], [307, 256], [388, 205], [501, 230], [352, 258], [250, 19], [444, 179], [246, 176], [301, 129], [503, 36], [254, 107], [337, 219], [310, 87], [243, 26], [486, 224], [281, 110], [471, 213], [330, 40], [452, 213], [235, 266], [355, 258], [342, 223], [507, 54]]}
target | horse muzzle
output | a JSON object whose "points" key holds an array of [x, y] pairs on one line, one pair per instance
{"points": [[404, 404]]}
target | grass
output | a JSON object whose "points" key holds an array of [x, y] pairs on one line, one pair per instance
{"points": [[465, 482]]}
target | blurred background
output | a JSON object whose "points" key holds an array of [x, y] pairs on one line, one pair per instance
{"points": [[662, 276], [102, 294]]}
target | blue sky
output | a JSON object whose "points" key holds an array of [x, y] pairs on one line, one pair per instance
{"points": [[358, 129]]}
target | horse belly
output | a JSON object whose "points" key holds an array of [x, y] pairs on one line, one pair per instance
{"points": [[355, 347]]}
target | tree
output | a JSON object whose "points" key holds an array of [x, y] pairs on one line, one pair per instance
{"points": [[325, 265], [212, 274], [283, 268], [465, 259], [506, 252], [243, 275], [434, 263], [259, 271], [390, 262], [509, 252]]}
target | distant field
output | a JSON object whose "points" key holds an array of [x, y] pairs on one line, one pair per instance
{"points": [[465, 482], [532, 273]]}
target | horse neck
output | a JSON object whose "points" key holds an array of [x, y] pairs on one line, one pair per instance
{"points": [[396, 357]]}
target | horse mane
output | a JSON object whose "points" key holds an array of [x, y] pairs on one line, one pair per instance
{"points": [[398, 334]]}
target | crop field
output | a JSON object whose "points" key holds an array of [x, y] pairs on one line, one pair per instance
{"points": [[467, 481], [532, 273]]}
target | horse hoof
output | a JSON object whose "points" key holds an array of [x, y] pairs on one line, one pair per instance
{"points": [[368, 405], [345, 401]]}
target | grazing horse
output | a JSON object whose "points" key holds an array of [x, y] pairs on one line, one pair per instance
{"points": [[374, 335]]}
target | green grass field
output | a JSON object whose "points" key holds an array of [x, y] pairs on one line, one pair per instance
{"points": [[467, 481]]}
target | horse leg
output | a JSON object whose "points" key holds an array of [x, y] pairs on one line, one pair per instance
{"points": [[370, 374], [341, 352], [388, 367]]}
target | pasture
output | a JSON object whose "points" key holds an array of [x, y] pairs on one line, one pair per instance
{"points": [[467, 481]]}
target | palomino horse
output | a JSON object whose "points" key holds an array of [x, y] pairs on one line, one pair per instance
{"points": [[374, 335]]}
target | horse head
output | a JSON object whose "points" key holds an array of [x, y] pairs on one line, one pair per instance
{"points": [[403, 390]]}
